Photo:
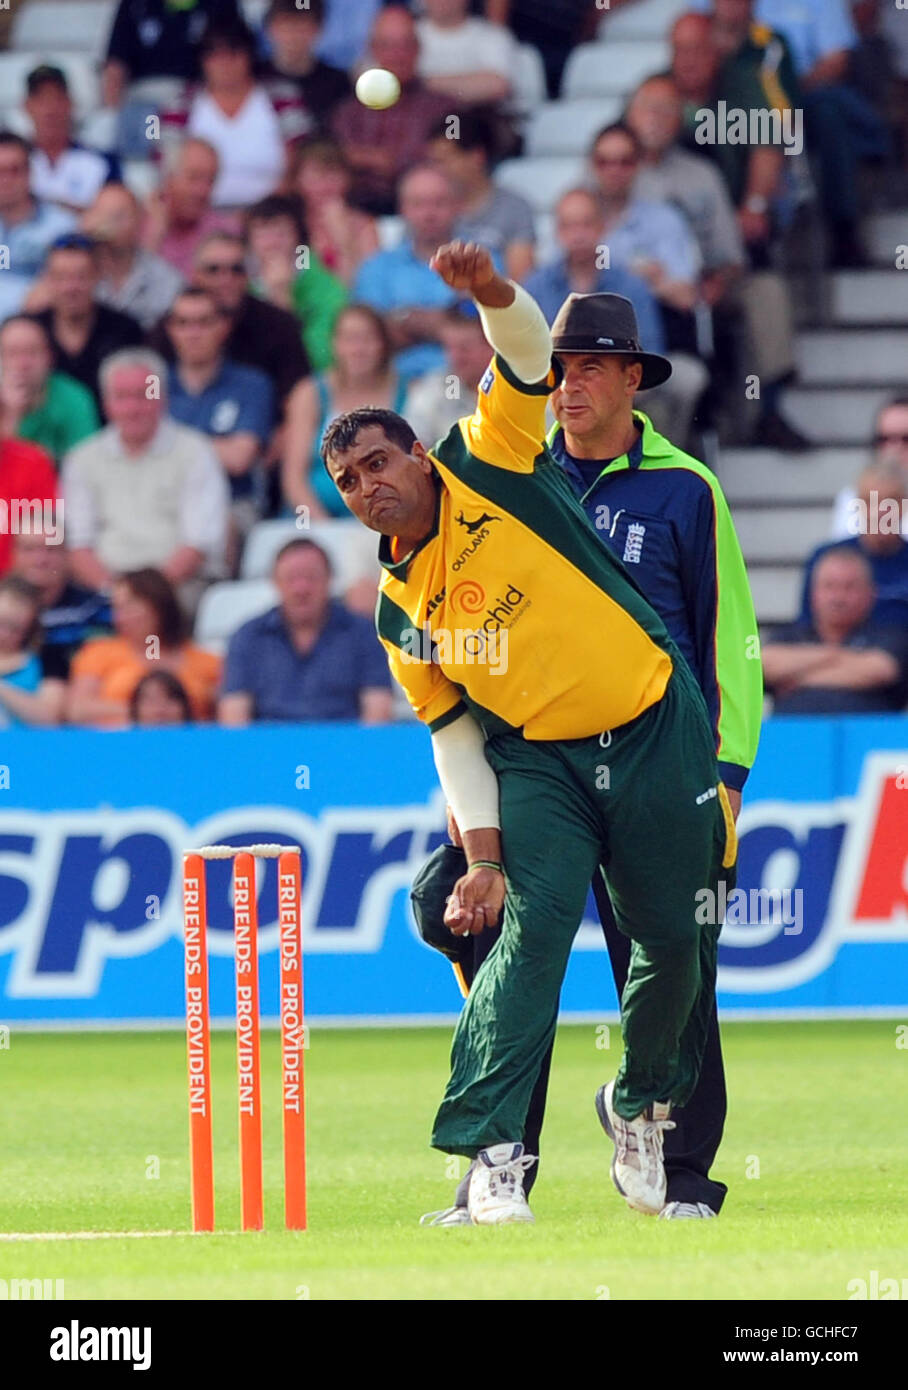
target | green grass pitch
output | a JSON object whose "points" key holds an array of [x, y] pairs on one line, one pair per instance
{"points": [[96, 1140]]}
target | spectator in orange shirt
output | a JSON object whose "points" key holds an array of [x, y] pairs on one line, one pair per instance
{"points": [[28, 495], [149, 636]]}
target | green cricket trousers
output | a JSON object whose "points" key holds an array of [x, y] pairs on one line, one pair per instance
{"points": [[643, 802]]}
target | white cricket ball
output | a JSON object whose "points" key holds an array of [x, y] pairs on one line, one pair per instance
{"points": [[377, 88]]}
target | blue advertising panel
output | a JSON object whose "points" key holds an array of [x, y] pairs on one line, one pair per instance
{"points": [[93, 827]]}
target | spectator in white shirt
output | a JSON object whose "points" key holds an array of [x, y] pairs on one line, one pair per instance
{"points": [[145, 491], [62, 171], [234, 113], [464, 57]]}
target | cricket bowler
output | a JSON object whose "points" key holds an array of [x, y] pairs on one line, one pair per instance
{"points": [[558, 754]]}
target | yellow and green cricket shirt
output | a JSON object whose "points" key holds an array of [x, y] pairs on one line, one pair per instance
{"points": [[511, 607]]}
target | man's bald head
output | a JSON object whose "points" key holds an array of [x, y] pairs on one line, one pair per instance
{"points": [[654, 113], [842, 590], [695, 57], [428, 204]]}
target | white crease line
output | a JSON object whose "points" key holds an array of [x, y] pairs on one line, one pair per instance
{"points": [[103, 1235]]}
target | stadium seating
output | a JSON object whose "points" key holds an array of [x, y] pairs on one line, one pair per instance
{"points": [[776, 591], [645, 19], [851, 346], [82, 27], [612, 69], [226, 606], [350, 547], [541, 181], [568, 127], [529, 82], [781, 512]]}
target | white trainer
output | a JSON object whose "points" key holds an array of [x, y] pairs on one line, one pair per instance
{"points": [[637, 1168], [449, 1216], [496, 1187], [684, 1211]]}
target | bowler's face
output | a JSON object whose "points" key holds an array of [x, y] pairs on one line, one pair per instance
{"points": [[384, 487]]}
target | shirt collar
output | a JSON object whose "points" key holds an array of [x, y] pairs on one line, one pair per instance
{"points": [[398, 568], [648, 444], [160, 442]]}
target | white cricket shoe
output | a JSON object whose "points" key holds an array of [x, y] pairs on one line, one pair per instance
{"points": [[637, 1168], [449, 1216], [496, 1187], [685, 1211]]}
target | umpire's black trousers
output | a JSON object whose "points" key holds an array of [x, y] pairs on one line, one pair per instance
{"points": [[691, 1147]]}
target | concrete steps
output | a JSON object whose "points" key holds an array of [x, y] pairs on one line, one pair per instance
{"points": [[769, 477], [781, 535], [777, 592], [884, 233], [833, 414], [853, 356], [869, 296]]}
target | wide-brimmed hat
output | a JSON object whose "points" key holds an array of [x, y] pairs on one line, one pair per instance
{"points": [[606, 323]]}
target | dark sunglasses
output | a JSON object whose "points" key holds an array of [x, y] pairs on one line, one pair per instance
{"points": [[229, 268], [181, 321]]}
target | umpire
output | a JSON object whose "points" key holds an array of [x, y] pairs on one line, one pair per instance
{"points": [[663, 514]]}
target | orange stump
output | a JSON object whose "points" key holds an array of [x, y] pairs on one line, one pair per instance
{"points": [[292, 1041], [198, 1038], [248, 1042]]}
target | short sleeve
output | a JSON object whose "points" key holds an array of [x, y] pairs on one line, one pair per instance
{"points": [[373, 284], [434, 699], [95, 658], [372, 666], [256, 414], [240, 664]]}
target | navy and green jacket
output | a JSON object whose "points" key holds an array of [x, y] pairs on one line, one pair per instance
{"points": [[664, 515]]}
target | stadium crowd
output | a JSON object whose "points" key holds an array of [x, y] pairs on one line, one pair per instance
{"points": [[173, 347]]}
